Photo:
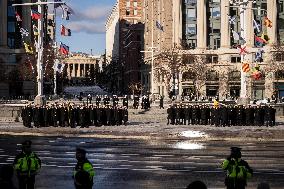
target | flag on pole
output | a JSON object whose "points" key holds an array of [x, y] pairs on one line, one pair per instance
{"points": [[236, 36], [267, 22], [259, 41], [58, 67], [18, 17], [256, 26], [232, 20], [66, 11], [35, 29], [24, 32], [258, 55], [35, 15], [64, 49], [65, 31], [28, 48], [159, 26]]}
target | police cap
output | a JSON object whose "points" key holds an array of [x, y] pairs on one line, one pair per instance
{"points": [[27, 143], [81, 150], [235, 149]]}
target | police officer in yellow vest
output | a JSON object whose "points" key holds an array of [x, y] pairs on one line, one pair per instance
{"points": [[84, 171], [27, 164], [238, 170]]}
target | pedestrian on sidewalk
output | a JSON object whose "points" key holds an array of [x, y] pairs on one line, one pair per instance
{"points": [[84, 171], [27, 165]]}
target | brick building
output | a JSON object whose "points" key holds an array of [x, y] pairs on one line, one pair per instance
{"points": [[124, 41]]}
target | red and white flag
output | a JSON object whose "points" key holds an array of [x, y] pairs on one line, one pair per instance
{"points": [[65, 31]]}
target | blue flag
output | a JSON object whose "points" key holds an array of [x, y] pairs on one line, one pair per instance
{"points": [[159, 26]]}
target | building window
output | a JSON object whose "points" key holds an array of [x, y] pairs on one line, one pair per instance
{"points": [[280, 7], [212, 59], [191, 13], [190, 2], [235, 59], [191, 43], [135, 4], [191, 29], [215, 12], [128, 4], [135, 12], [217, 43], [127, 12]]}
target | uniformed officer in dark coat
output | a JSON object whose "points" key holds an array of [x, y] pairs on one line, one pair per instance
{"points": [[106, 100], [125, 101], [98, 100], [171, 115], [99, 116], [37, 116], [240, 115], [115, 100], [224, 116], [125, 115], [187, 114], [136, 102], [72, 116], [249, 111], [232, 116], [258, 116], [161, 101], [203, 115], [81, 112]]}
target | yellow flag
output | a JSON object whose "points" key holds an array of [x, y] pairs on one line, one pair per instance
{"points": [[28, 48]]}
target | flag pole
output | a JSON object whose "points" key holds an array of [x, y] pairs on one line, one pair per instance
{"points": [[40, 98]]}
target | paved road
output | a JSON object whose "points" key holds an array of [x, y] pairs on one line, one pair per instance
{"points": [[122, 164]]}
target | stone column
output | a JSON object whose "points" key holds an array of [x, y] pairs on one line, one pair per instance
{"points": [[180, 84], [249, 30], [269, 84], [84, 70], [79, 70], [225, 28], [201, 25], [3, 20], [177, 21], [272, 15], [73, 70]]}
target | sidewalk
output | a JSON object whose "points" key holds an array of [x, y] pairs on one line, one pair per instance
{"points": [[151, 125]]}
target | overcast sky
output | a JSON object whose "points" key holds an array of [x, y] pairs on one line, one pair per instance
{"points": [[87, 25]]}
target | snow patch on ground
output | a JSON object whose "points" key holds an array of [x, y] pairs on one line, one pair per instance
{"points": [[193, 134], [188, 145], [76, 90]]}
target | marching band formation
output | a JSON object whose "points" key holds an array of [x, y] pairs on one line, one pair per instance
{"points": [[223, 115], [71, 115]]}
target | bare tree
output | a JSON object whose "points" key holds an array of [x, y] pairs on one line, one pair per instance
{"points": [[169, 63], [197, 66]]}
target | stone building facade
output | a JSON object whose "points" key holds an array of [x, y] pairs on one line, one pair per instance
{"points": [[82, 68], [203, 29], [124, 41]]}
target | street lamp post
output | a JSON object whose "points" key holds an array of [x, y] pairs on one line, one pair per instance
{"points": [[40, 98]]}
